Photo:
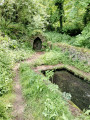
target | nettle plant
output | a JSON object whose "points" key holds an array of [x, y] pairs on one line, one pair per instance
{"points": [[50, 110]]}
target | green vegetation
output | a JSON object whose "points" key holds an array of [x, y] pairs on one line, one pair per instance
{"points": [[3, 115], [81, 40], [20, 18], [10, 52], [55, 56], [84, 39], [61, 21], [44, 100], [60, 38]]}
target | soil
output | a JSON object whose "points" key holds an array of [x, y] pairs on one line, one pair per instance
{"points": [[19, 104]]}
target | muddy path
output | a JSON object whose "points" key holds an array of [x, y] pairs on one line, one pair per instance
{"points": [[19, 104]]}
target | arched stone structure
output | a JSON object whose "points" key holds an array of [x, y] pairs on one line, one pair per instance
{"points": [[38, 42]]}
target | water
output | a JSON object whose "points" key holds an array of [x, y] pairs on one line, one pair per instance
{"points": [[77, 87]]}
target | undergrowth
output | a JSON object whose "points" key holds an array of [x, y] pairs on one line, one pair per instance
{"points": [[81, 40], [10, 52], [58, 37]]}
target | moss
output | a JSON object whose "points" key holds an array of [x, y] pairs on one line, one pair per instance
{"points": [[76, 71], [66, 46]]}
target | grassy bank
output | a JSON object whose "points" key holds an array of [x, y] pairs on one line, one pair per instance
{"points": [[55, 56], [43, 99]]}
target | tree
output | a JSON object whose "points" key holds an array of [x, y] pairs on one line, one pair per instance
{"points": [[86, 17], [21, 17], [59, 4]]}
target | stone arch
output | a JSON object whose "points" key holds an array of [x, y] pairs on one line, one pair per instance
{"points": [[37, 44]]}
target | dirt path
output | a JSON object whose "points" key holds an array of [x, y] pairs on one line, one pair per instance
{"points": [[19, 104]]}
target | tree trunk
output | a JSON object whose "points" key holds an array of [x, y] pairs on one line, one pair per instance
{"points": [[86, 17], [61, 16]]}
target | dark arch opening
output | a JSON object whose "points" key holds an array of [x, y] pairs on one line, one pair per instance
{"points": [[37, 44]]}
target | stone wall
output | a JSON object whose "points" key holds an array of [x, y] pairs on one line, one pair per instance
{"points": [[76, 52], [41, 37]]}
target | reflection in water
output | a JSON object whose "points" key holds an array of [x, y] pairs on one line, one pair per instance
{"points": [[78, 88]]}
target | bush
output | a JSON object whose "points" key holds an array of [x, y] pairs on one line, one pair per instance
{"points": [[13, 44], [72, 30], [5, 77], [83, 40]]}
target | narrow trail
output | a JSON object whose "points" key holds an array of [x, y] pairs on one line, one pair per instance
{"points": [[19, 104]]}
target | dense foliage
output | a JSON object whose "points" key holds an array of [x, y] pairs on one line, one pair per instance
{"points": [[21, 17], [83, 40]]}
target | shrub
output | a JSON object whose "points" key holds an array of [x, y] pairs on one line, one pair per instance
{"points": [[83, 40], [72, 30], [5, 77], [13, 44]]}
